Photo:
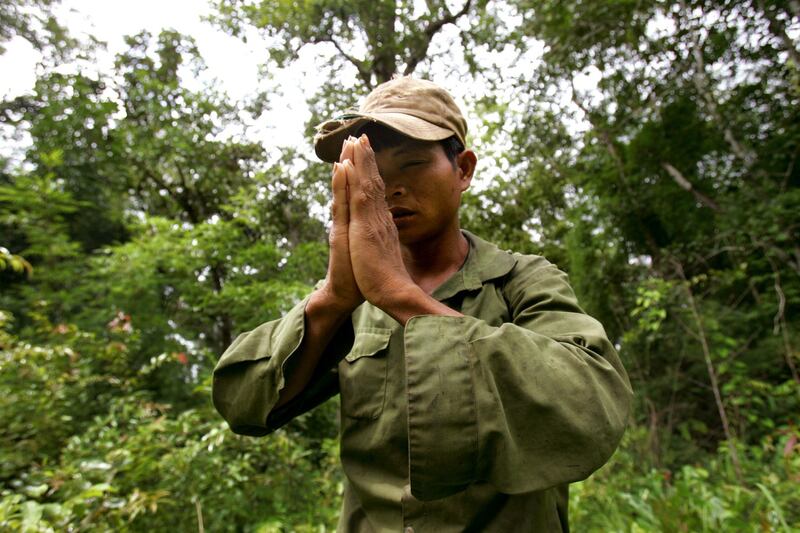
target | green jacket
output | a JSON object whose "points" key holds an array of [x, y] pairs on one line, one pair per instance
{"points": [[471, 423]]}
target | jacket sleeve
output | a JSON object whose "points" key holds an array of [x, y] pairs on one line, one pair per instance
{"points": [[536, 402], [252, 371]]}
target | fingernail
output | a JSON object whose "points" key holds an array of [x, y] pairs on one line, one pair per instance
{"points": [[335, 167], [364, 140]]}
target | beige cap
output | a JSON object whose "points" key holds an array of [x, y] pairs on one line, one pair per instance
{"points": [[417, 108]]}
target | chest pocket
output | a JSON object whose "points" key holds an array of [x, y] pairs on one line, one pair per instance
{"points": [[362, 374]]}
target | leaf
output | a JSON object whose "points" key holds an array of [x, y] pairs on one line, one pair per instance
{"points": [[36, 491], [95, 491], [31, 515]]}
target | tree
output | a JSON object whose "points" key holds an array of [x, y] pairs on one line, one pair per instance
{"points": [[376, 39], [694, 116], [34, 21]]}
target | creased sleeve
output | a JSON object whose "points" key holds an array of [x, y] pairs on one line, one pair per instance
{"points": [[527, 405], [251, 373]]}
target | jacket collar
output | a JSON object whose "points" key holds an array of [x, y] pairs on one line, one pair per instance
{"points": [[485, 262]]}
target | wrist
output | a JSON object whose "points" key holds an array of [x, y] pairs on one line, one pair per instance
{"points": [[324, 301], [394, 297], [409, 301]]}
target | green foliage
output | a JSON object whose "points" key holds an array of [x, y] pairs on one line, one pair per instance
{"points": [[175, 161], [52, 389], [34, 21], [628, 495], [74, 152], [210, 278], [18, 264], [85, 444], [377, 39]]}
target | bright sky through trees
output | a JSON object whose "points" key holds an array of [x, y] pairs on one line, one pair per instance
{"points": [[233, 64]]}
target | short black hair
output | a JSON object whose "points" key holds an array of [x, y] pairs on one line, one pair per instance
{"points": [[381, 137]]}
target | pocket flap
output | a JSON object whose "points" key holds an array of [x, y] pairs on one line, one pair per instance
{"points": [[368, 342]]}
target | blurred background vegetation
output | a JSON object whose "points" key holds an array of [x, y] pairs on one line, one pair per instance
{"points": [[138, 237]]}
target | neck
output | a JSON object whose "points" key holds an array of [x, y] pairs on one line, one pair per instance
{"points": [[436, 259]]}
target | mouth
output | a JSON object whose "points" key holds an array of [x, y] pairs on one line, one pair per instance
{"points": [[399, 213]]}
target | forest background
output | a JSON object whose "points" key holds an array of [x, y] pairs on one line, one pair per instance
{"points": [[141, 230]]}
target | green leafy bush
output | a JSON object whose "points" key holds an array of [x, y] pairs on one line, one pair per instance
{"points": [[631, 495]]}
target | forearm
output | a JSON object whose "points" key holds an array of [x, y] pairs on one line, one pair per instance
{"points": [[323, 318], [539, 400], [410, 301], [521, 410]]}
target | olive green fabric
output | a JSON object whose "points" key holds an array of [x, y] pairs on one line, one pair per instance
{"points": [[473, 423]]}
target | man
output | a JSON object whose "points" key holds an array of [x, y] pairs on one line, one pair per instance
{"points": [[473, 387]]}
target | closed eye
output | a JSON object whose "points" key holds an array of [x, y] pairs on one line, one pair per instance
{"points": [[412, 163]]}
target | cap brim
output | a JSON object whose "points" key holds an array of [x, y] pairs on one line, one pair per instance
{"points": [[332, 134]]}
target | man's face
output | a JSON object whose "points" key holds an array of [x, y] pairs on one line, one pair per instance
{"points": [[423, 187]]}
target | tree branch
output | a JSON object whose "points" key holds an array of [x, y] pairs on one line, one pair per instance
{"points": [[433, 27], [701, 83], [779, 322], [606, 138], [712, 372], [198, 211], [686, 185], [603, 132], [363, 71], [778, 28]]}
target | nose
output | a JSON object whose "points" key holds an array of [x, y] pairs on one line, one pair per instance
{"points": [[395, 190]]}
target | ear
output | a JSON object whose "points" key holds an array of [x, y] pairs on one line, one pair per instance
{"points": [[465, 164]]}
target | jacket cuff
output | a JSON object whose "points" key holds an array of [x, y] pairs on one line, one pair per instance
{"points": [[442, 416], [249, 374]]}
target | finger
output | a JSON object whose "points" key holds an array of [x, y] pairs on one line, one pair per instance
{"points": [[367, 173], [361, 197], [347, 150], [353, 183], [366, 163], [364, 158], [339, 209]]}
